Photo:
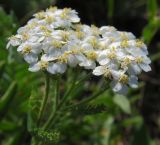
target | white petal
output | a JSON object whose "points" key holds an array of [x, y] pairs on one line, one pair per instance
{"points": [[145, 67], [72, 61], [8, 45], [48, 57], [136, 51], [61, 67], [81, 58], [133, 81], [52, 68], [98, 71], [131, 71], [146, 60], [55, 68], [54, 52], [119, 87], [20, 48], [75, 19], [103, 60], [36, 48], [31, 58], [116, 86], [115, 74], [89, 64], [34, 67], [124, 90], [136, 68], [87, 46]]}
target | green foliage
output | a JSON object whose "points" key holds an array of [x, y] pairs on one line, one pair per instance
{"points": [[88, 109], [7, 98], [152, 7], [33, 109], [47, 136], [87, 115], [123, 103]]}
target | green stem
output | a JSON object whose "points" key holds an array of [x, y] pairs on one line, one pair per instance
{"points": [[67, 94], [74, 85], [56, 96], [45, 98], [56, 91]]}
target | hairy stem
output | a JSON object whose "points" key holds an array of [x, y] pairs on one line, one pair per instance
{"points": [[56, 96], [64, 99], [56, 91], [45, 98]]}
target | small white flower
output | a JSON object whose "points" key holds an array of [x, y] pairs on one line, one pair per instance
{"points": [[121, 81], [14, 41], [30, 51]]}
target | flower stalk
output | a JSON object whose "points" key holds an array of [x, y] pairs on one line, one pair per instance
{"points": [[45, 98]]}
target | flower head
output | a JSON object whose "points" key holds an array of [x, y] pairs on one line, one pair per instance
{"points": [[54, 40]]}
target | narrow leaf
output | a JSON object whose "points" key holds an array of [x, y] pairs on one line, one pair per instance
{"points": [[152, 8], [123, 103], [7, 98]]}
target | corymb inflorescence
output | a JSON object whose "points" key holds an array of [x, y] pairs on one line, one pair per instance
{"points": [[54, 40]]}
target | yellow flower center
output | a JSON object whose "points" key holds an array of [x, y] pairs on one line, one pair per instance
{"points": [[112, 39], [50, 19], [139, 43], [111, 55], [126, 62], [56, 44], [79, 34], [65, 36], [123, 79], [52, 9], [31, 25], [139, 60], [74, 51], [65, 13], [63, 58], [25, 36], [93, 42], [40, 15], [124, 44], [123, 36], [91, 55], [95, 30], [107, 73], [67, 10], [26, 49], [43, 64], [45, 29]]}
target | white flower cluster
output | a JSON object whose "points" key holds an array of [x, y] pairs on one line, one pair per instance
{"points": [[54, 40]]}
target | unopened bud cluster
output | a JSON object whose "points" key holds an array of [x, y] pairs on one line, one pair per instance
{"points": [[54, 40]]}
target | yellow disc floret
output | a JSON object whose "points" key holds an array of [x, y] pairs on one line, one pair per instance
{"points": [[40, 15], [91, 55], [43, 64], [123, 79], [56, 44], [93, 42], [139, 60], [139, 43], [27, 49], [111, 55], [50, 19], [126, 62], [124, 44]]}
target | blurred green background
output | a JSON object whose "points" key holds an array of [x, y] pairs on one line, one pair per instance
{"points": [[130, 120]]}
